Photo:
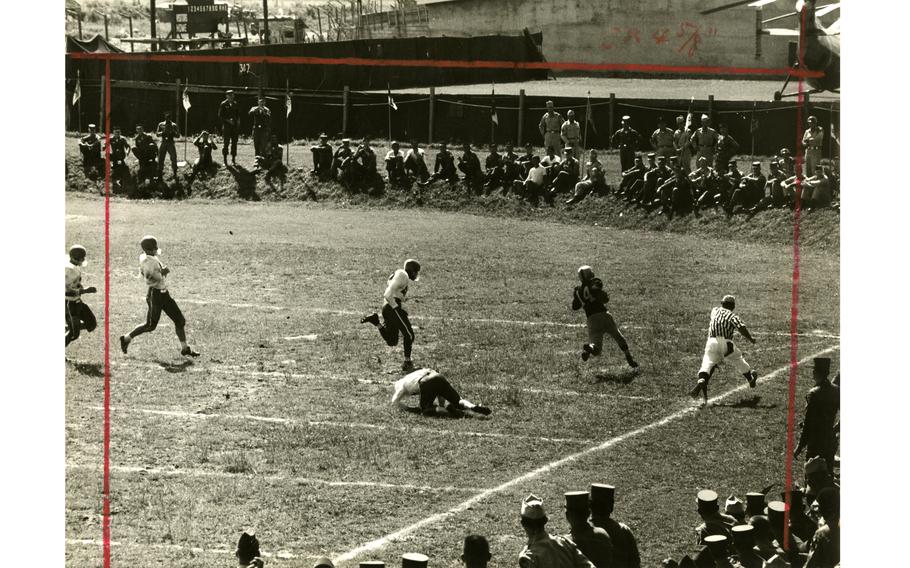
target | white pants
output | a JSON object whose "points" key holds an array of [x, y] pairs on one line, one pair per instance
{"points": [[716, 353]]}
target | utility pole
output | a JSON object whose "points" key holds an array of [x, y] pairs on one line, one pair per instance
{"points": [[154, 27], [265, 21]]}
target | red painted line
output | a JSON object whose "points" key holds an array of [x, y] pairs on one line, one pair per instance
{"points": [[453, 64], [106, 483]]}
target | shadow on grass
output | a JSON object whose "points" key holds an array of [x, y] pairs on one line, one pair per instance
{"points": [[624, 377], [90, 369], [751, 402], [175, 367], [246, 182]]}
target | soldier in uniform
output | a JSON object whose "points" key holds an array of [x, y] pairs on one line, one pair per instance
{"points": [[322, 158], [774, 192], [146, 151], [551, 161], [444, 166], [704, 182], [120, 149], [817, 436], [524, 161], [570, 133], [751, 190], [662, 139], [817, 189], [717, 550], [394, 165], [646, 192], [625, 548], [90, 147], [365, 166], [167, 132], [704, 140], [229, 116], [744, 544], [824, 549], [273, 164], [788, 163], [713, 521], [340, 158], [511, 171], [593, 542], [493, 169], [680, 199], [593, 180], [469, 164], [204, 162], [550, 127], [566, 174], [262, 127], [813, 139], [628, 141], [415, 163], [78, 315], [544, 550], [535, 184], [681, 143], [776, 511], [476, 552], [629, 178], [727, 147]]}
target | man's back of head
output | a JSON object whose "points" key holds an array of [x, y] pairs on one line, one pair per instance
{"points": [[476, 551]]}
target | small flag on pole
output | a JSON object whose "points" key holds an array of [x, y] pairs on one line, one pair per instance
{"points": [[77, 92], [689, 116], [589, 114], [186, 99], [392, 101], [287, 103], [493, 115]]}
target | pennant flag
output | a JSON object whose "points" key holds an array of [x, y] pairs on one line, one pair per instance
{"points": [[287, 103], [834, 134], [392, 101], [589, 114], [77, 93], [493, 116], [689, 115], [186, 99]]}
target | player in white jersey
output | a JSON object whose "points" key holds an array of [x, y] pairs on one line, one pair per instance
{"points": [[434, 391], [395, 320], [720, 346], [78, 315], [158, 298]]}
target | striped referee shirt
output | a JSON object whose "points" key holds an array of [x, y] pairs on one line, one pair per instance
{"points": [[723, 323]]}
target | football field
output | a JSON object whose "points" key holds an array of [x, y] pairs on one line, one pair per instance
{"points": [[284, 424]]}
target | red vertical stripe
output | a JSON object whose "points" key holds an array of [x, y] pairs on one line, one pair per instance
{"points": [[106, 484]]}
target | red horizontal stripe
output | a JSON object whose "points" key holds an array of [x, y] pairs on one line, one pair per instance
{"points": [[452, 64]]}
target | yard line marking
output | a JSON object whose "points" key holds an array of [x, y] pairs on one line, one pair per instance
{"points": [[281, 554], [432, 519], [271, 477], [352, 425], [525, 323]]}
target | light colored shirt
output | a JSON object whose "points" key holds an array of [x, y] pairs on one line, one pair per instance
{"points": [[73, 281], [548, 161], [550, 122], [662, 138], [570, 131], [547, 551], [397, 290], [537, 175], [409, 385], [151, 268], [813, 138]]}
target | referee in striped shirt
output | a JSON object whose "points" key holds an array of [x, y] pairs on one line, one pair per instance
{"points": [[720, 346]]}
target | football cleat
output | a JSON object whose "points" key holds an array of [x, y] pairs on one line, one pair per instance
{"points": [[479, 409], [188, 352], [586, 351], [372, 318], [407, 366], [124, 344], [698, 387], [753, 378], [632, 362]]}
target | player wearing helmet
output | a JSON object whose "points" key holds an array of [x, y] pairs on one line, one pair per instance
{"points": [[591, 296], [158, 298], [78, 315], [395, 320]]}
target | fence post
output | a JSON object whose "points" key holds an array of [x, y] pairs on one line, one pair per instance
{"points": [[153, 25], [101, 110], [521, 116], [432, 114], [711, 107], [345, 98], [132, 45], [612, 116], [177, 102]]}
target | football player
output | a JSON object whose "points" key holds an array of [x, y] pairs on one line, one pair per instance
{"points": [[434, 391], [591, 296], [78, 315], [395, 320], [158, 298]]}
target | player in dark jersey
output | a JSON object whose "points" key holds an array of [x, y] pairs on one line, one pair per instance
{"points": [[591, 296]]}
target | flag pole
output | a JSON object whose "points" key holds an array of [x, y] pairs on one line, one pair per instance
{"points": [[492, 106], [584, 138], [79, 101], [388, 109], [287, 120], [752, 130], [186, 117]]}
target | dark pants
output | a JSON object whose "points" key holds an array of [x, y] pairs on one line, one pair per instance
{"points": [[167, 146], [437, 387], [261, 141], [395, 322], [626, 159], [230, 134], [159, 301], [78, 317]]}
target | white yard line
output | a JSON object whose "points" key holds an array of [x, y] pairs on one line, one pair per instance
{"points": [[381, 542], [176, 547], [201, 473], [350, 425]]}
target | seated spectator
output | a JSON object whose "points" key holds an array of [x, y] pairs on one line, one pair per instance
{"points": [[593, 542], [273, 162], [744, 545], [90, 148], [718, 550], [749, 192], [824, 548], [629, 177], [436, 394], [542, 549], [565, 176], [492, 169], [363, 169], [625, 547], [653, 193], [533, 186], [469, 164], [322, 158], [736, 509], [705, 183], [444, 167], [204, 163], [713, 521], [524, 161], [511, 170], [593, 180], [551, 161], [765, 545], [817, 189], [476, 552], [247, 552], [776, 519], [394, 166], [341, 156], [817, 478], [415, 165]]}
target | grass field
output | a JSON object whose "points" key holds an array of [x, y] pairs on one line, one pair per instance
{"points": [[284, 423]]}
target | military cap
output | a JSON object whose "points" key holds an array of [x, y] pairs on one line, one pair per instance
{"points": [[651, 154], [661, 158], [532, 508], [822, 364], [568, 149], [602, 495], [76, 250], [731, 163], [248, 545], [571, 112], [706, 497], [755, 503], [204, 133], [324, 562], [776, 508], [414, 560], [674, 157], [756, 164], [326, 136], [549, 103], [816, 465], [372, 564], [345, 140], [796, 494], [705, 117], [626, 117], [229, 92], [577, 501], [728, 299], [92, 126], [743, 533], [733, 506], [812, 118], [716, 541]]}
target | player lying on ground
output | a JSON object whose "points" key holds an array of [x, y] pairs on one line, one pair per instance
{"points": [[158, 298], [395, 320], [593, 298], [435, 391], [78, 315], [720, 346]]}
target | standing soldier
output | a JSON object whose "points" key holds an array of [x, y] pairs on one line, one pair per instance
{"points": [[625, 547], [727, 147], [704, 140], [570, 132], [662, 139], [544, 550], [158, 298], [120, 149], [167, 132], [627, 140], [813, 138], [681, 143], [818, 435], [78, 315], [724, 323], [145, 150], [550, 127], [90, 147], [593, 542], [262, 127], [395, 321], [229, 115], [590, 295], [322, 157]]}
